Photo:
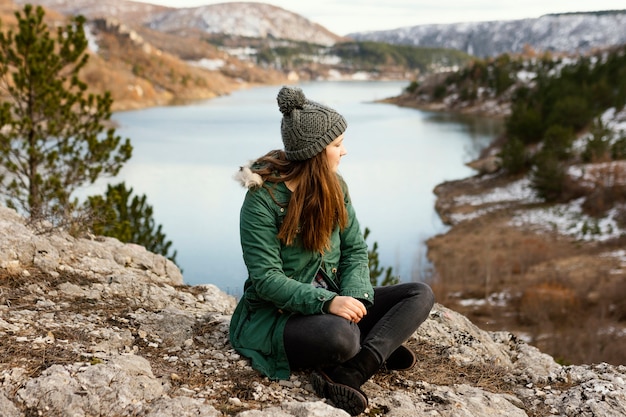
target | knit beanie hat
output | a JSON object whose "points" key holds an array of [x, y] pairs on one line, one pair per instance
{"points": [[307, 127]]}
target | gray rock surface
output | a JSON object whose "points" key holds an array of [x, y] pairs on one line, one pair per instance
{"points": [[95, 327]]}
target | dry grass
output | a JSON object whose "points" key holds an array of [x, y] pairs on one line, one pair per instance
{"points": [[22, 292], [435, 367]]}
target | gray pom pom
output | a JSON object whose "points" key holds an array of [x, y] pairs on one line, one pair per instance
{"points": [[290, 98]]}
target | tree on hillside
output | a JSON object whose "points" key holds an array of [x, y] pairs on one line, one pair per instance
{"points": [[130, 220], [53, 137], [514, 156], [376, 271], [548, 175]]}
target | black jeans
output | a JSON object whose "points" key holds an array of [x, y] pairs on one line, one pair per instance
{"points": [[326, 339]]}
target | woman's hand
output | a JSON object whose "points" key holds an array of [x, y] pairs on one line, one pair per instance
{"points": [[347, 307]]}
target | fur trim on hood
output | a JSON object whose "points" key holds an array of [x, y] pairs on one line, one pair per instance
{"points": [[247, 178]]}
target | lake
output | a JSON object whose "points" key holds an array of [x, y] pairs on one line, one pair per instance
{"points": [[185, 157]]}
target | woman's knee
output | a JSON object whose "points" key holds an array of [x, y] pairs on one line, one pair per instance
{"points": [[320, 340], [425, 293], [345, 341], [417, 290], [347, 345]]}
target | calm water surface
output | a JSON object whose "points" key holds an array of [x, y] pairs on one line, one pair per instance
{"points": [[184, 159]]}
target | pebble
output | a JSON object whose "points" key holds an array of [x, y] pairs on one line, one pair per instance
{"points": [[235, 401]]}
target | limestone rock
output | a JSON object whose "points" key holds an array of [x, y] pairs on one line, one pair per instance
{"points": [[123, 383], [487, 165], [98, 327]]}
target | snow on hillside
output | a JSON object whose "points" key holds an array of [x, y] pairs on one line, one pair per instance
{"points": [[118, 9], [247, 19], [255, 20], [566, 219], [567, 32], [570, 220]]}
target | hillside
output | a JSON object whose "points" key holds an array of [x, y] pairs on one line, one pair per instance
{"points": [[246, 19], [143, 67], [139, 73], [122, 10], [251, 20], [556, 33], [93, 327], [175, 70], [546, 263]]}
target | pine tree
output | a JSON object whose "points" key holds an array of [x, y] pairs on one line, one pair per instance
{"points": [[376, 270], [514, 156], [52, 133], [548, 175], [128, 219]]}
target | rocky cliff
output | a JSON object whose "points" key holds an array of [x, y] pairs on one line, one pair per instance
{"points": [[93, 327]]}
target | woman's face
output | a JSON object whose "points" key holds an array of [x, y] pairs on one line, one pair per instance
{"points": [[334, 151]]}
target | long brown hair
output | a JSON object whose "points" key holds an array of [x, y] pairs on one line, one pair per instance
{"points": [[317, 204]]}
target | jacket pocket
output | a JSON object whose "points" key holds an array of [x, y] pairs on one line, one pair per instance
{"points": [[332, 284]]}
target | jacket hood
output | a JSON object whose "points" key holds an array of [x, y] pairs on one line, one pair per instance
{"points": [[247, 178]]}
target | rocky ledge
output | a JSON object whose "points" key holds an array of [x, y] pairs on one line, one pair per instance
{"points": [[94, 327]]}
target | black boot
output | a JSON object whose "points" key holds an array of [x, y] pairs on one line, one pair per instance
{"points": [[356, 371], [350, 399], [342, 385], [400, 359]]}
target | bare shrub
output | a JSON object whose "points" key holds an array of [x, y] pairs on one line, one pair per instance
{"points": [[591, 339], [531, 250], [548, 302], [616, 300], [620, 215], [601, 200], [609, 187]]}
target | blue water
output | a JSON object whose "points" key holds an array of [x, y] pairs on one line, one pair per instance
{"points": [[185, 156]]}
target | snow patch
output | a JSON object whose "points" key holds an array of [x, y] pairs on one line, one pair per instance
{"points": [[92, 41], [518, 191], [495, 300], [209, 64], [569, 219], [620, 255], [526, 76]]}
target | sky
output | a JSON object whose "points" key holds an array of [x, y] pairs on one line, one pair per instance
{"points": [[347, 16]]}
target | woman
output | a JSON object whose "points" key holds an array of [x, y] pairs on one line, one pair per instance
{"points": [[308, 301]]}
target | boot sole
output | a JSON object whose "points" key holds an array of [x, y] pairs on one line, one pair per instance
{"points": [[342, 396]]}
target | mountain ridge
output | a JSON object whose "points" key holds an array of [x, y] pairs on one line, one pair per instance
{"points": [[246, 19], [569, 32]]}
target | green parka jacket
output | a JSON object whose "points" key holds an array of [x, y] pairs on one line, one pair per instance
{"points": [[280, 277]]}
